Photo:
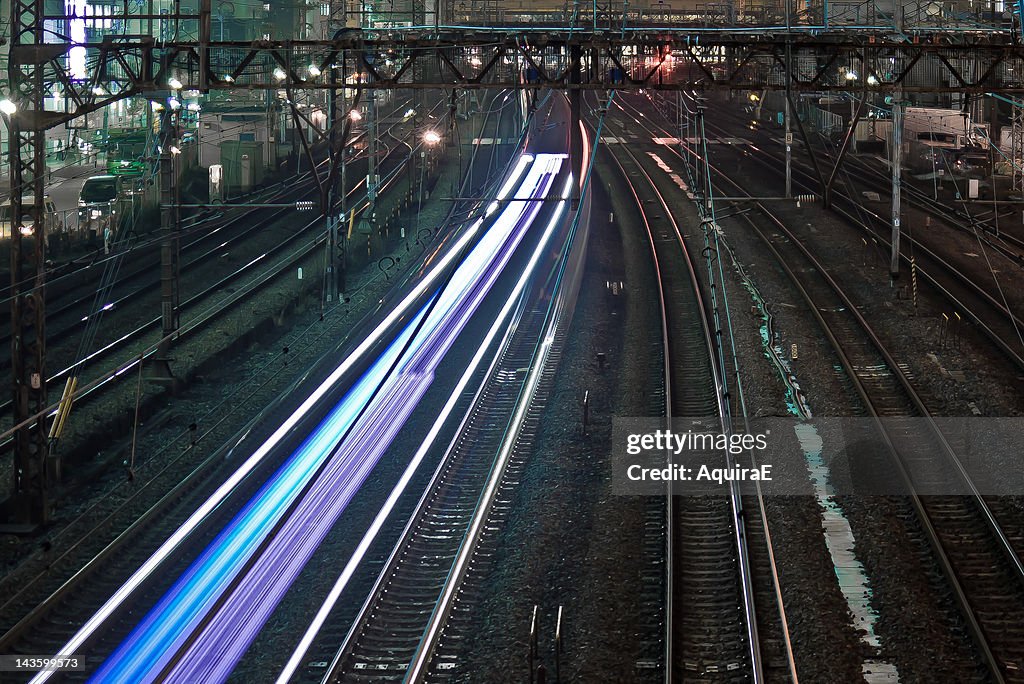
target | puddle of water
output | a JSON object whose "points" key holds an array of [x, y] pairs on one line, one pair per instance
{"points": [[853, 581]]}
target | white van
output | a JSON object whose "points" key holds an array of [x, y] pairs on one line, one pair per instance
{"points": [[53, 225], [99, 205]]}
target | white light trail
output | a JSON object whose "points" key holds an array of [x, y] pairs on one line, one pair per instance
{"points": [[179, 535], [371, 534]]}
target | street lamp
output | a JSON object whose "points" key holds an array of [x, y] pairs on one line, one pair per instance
{"points": [[8, 107], [431, 137]]}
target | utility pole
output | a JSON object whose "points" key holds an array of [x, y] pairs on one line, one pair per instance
{"points": [[343, 217], [371, 158], [575, 134], [680, 131], [169, 224], [788, 113], [897, 162], [331, 191]]}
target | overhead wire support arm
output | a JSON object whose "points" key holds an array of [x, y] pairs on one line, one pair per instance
{"points": [[847, 139], [143, 64], [169, 226]]}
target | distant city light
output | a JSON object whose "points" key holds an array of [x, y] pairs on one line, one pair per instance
{"points": [[872, 80], [76, 11], [193, 107], [279, 74], [175, 149], [851, 75], [98, 90], [174, 103], [355, 115], [228, 78], [475, 61], [174, 83], [314, 70], [156, 106], [8, 107]]}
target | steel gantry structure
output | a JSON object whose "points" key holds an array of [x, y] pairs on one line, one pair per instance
{"points": [[683, 57]]}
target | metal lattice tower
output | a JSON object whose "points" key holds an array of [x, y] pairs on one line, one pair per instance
{"points": [[1017, 145], [33, 470]]}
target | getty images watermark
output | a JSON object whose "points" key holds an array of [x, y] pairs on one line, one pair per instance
{"points": [[787, 456]]}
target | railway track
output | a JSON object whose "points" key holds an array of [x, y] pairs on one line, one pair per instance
{"points": [[979, 560], [417, 616], [46, 626], [387, 634], [70, 311], [197, 311], [710, 617]]}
